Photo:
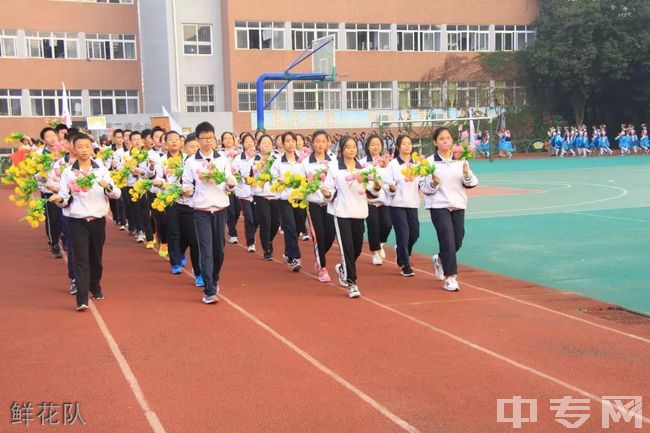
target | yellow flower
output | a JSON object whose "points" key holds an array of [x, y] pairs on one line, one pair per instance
{"points": [[12, 197], [41, 218]]}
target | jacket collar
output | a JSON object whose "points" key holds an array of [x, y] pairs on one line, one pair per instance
{"points": [[438, 158], [313, 160], [215, 154], [342, 166], [284, 157], [93, 164]]}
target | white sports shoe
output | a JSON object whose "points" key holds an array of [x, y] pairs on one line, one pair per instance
{"points": [[353, 291], [342, 281], [451, 285], [376, 260], [251, 248], [233, 240], [437, 266]]}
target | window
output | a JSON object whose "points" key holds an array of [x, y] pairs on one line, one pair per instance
{"points": [[199, 98], [197, 39], [8, 43], [10, 102], [509, 93], [469, 94], [303, 34], [113, 102], [126, 2], [246, 96], [468, 38], [52, 45], [255, 35], [50, 102], [504, 38], [420, 95], [418, 38], [373, 95], [367, 37], [309, 95], [102, 46]]}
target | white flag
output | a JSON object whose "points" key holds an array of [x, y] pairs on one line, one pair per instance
{"points": [[173, 124], [66, 118]]}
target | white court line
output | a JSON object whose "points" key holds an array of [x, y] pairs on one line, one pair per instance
{"points": [[478, 347], [404, 425], [128, 374], [610, 217]]}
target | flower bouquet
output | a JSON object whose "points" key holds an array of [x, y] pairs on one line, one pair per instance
{"points": [[298, 196], [141, 187], [167, 197]]}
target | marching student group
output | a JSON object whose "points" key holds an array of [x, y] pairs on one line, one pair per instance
{"points": [[186, 195]]}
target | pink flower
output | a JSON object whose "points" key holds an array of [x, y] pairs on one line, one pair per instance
{"points": [[359, 178], [370, 177], [350, 177], [310, 177], [360, 192], [322, 176], [364, 164], [472, 148], [231, 153], [464, 135]]}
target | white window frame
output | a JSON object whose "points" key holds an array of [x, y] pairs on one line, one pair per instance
{"points": [[468, 38], [106, 44], [8, 38], [36, 40], [316, 96], [199, 98], [373, 95], [354, 33], [518, 35], [38, 97], [427, 94], [416, 33], [10, 97], [306, 33], [247, 96], [256, 30], [196, 44], [115, 97]]}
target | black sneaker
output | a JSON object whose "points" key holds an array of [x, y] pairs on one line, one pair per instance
{"points": [[56, 252], [407, 271], [73, 287], [98, 297], [268, 256]]}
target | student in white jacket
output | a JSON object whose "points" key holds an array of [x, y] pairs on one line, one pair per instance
{"points": [[446, 200], [289, 162], [86, 212], [320, 220], [378, 221], [404, 204], [349, 204], [210, 203], [265, 203], [242, 164]]}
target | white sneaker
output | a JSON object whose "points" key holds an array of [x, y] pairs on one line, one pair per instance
{"points": [[342, 281], [304, 237], [233, 240], [437, 266], [251, 248], [353, 291], [382, 253], [141, 238], [376, 260], [210, 299], [451, 285]]}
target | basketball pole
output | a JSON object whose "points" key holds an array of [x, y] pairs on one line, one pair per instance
{"points": [[288, 77]]}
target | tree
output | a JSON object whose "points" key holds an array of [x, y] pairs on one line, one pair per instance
{"points": [[590, 58]]}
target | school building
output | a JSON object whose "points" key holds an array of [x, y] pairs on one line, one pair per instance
{"points": [[126, 59]]}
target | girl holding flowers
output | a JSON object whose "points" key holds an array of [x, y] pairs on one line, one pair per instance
{"points": [[264, 199], [402, 175], [242, 165], [316, 167], [347, 188], [446, 200], [378, 222], [230, 150], [286, 171]]}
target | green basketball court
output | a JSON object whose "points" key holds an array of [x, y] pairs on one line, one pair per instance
{"points": [[580, 225]]}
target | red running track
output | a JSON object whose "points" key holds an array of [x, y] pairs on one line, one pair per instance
{"points": [[285, 353]]}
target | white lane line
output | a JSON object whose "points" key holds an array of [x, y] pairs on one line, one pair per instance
{"points": [[127, 372], [482, 349], [610, 217], [540, 307], [404, 425]]}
